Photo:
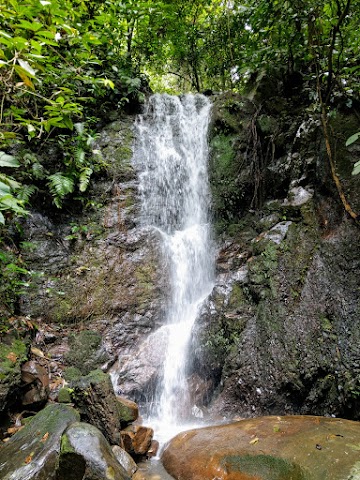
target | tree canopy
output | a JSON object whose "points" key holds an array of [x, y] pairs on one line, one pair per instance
{"points": [[64, 64]]}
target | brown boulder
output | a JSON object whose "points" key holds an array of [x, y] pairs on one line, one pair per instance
{"points": [[267, 448], [37, 380], [128, 410], [136, 439]]}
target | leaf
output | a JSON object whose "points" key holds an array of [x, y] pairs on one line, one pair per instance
{"points": [[254, 441], [25, 65], [33, 26], [4, 189], [60, 185], [37, 352], [45, 437], [352, 139], [24, 78], [2, 218], [84, 179], [8, 160], [356, 169], [28, 459]]}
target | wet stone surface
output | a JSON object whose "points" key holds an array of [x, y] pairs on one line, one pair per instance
{"points": [[32, 453], [268, 448]]}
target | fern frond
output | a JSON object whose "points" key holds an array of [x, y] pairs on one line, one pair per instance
{"points": [[79, 156], [60, 185], [84, 179], [25, 192], [38, 170]]}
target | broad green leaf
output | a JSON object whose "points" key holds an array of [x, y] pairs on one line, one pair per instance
{"points": [[33, 26], [4, 189], [9, 181], [352, 139], [356, 169], [8, 160]]}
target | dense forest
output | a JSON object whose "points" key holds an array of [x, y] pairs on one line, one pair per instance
{"points": [[65, 64]]}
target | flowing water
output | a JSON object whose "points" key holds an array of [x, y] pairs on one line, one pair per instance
{"points": [[172, 158]]}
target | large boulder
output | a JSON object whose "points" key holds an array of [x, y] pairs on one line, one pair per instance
{"points": [[94, 396], [124, 459], [268, 448], [32, 453], [86, 455]]}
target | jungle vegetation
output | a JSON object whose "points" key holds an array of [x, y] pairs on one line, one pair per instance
{"points": [[65, 64]]}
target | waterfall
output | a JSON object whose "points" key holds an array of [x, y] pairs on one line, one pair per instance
{"points": [[172, 158]]}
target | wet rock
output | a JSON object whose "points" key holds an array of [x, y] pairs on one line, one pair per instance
{"points": [[137, 374], [267, 448], [86, 455], [37, 379], [136, 439], [93, 395], [298, 196], [32, 453], [153, 450], [128, 410], [125, 460], [278, 232]]}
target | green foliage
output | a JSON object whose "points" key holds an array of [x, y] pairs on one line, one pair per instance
{"points": [[11, 357], [350, 141], [14, 280], [63, 64]]}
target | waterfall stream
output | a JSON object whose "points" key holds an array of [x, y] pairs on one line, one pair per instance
{"points": [[172, 157]]}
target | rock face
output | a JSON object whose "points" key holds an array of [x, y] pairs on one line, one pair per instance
{"points": [[32, 453], [280, 331], [267, 448], [99, 272], [86, 455]]}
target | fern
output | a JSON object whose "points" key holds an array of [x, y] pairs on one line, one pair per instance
{"points": [[26, 192], [38, 170], [84, 178], [60, 185], [79, 156]]}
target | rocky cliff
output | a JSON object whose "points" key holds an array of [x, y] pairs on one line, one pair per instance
{"points": [[280, 332]]}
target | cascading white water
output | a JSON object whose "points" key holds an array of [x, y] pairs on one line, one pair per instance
{"points": [[172, 157]]}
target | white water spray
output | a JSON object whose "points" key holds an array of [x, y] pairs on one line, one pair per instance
{"points": [[172, 156]]}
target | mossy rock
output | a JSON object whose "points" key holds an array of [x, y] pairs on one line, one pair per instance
{"points": [[93, 395], [85, 351], [12, 354], [85, 453], [32, 453], [64, 395]]}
